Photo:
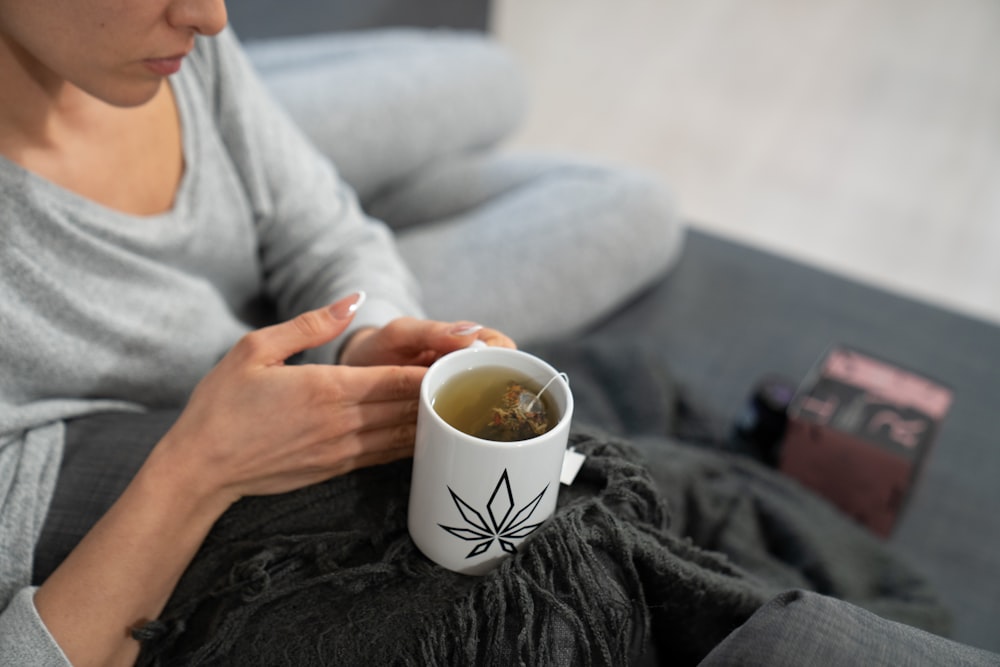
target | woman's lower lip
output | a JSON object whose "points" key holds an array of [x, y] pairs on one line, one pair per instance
{"points": [[164, 66]]}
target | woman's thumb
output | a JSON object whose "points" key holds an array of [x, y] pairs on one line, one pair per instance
{"points": [[308, 330]]}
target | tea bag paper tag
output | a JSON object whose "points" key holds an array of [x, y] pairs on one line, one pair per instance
{"points": [[572, 462]]}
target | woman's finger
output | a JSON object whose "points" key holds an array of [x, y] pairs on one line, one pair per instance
{"points": [[342, 455], [411, 341], [369, 415], [347, 385], [495, 338], [335, 461], [276, 343], [373, 447], [417, 336]]}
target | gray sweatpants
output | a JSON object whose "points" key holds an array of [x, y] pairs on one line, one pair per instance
{"points": [[537, 246]]}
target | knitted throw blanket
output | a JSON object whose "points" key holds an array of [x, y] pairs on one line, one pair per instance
{"points": [[329, 576]]}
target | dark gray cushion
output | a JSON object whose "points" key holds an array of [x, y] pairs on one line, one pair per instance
{"points": [[802, 628], [730, 314]]}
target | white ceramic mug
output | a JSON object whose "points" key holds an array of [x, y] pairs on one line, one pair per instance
{"points": [[472, 501]]}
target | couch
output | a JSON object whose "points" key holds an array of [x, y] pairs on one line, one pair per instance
{"points": [[730, 314]]}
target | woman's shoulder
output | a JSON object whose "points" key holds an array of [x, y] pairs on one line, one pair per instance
{"points": [[220, 70], [208, 61]]}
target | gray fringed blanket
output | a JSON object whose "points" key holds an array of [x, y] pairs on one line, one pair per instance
{"points": [[658, 548]]}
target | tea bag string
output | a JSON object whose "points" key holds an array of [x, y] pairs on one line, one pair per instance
{"points": [[529, 406]]}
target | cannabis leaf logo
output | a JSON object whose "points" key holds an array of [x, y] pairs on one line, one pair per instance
{"points": [[501, 527]]}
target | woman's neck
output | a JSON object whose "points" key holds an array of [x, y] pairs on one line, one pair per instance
{"points": [[36, 105], [126, 158]]}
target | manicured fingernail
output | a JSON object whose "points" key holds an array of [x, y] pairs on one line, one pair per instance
{"points": [[465, 329], [346, 307]]}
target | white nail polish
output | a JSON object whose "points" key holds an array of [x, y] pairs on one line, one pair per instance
{"points": [[466, 330]]}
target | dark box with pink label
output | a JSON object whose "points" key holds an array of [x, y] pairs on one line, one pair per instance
{"points": [[859, 428]]}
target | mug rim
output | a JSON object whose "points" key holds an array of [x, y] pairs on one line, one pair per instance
{"points": [[426, 400]]}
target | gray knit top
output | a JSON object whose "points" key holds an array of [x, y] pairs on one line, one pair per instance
{"points": [[100, 310]]}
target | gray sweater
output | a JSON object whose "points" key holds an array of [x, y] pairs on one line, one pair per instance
{"points": [[105, 311]]}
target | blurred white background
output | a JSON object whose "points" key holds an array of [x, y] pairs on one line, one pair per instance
{"points": [[862, 136]]}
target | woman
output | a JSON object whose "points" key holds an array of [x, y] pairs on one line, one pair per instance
{"points": [[147, 229]]}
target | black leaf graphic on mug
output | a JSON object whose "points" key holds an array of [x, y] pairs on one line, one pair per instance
{"points": [[501, 527]]}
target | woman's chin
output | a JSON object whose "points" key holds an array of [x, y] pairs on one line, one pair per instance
{"points": [[133, 94]]}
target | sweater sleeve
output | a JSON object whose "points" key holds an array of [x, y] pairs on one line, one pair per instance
{"points": [[24, 639], [315, 243]]}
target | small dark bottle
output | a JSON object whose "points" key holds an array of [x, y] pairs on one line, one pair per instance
{"points": [[760, 428]]}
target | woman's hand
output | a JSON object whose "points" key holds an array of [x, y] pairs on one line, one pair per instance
{"points": [[253, 426], [256, 426], [411, 342]]}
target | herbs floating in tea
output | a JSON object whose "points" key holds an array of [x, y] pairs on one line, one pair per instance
{"points": [[496, 403], [515, 418]]}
